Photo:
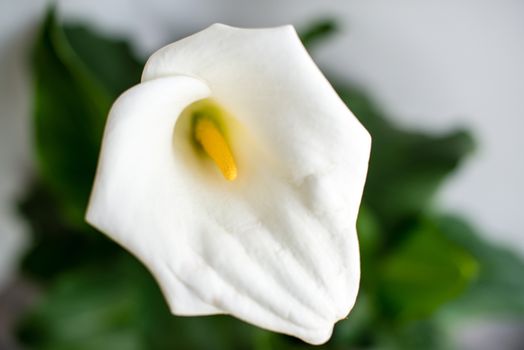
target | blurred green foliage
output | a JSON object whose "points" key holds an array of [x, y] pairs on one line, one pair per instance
{"points": [[77, 77], [421, 272]]}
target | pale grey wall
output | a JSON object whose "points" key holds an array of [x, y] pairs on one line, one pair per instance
{"points": [[432, 64]]}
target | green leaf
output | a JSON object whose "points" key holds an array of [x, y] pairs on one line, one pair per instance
{"points": [[109, 61], [88, 308], [117, 305], [73, 92], [318, 31], [368, 229], [424, 271], [499, 289], [424, 334], [406, 167], [56, 247]]}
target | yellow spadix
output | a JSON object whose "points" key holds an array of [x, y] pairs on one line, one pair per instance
{"points": [[209, 136]]}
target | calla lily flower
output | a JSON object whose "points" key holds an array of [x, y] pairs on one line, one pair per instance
{"points": [[234, 172]]}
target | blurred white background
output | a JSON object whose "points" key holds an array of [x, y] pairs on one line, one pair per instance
{"points": [[431, 65]]}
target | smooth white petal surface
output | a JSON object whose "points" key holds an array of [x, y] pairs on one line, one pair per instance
{"points": [[278, 246]]}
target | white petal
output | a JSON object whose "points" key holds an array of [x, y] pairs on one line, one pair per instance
{"points": [[278, 246]]}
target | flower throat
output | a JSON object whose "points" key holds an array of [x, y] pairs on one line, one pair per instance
{"points": [[209, 135]]}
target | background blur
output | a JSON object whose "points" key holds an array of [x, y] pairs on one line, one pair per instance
{"points": [[432, 66]]}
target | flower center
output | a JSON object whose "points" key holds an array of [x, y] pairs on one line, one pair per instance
{"points": [[209, 136]]}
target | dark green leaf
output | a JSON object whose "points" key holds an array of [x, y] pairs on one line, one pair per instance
{"points": [[57, 247], [424, 334], [118, 306], [87, 309], [109, 62], [318, 32], [406, 168], [71, 105]]}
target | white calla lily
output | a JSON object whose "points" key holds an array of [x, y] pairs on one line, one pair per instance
{"points": [[276, 246]]}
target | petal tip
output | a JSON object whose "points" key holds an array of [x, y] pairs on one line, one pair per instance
{"points": [[320, 337]]}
